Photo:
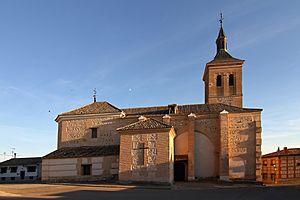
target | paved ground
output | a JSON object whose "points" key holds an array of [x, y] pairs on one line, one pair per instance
{"points": [[179, 191]]}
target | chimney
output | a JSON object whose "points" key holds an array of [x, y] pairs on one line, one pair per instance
{"points": [[166, 119], [142, 118], [285, 149], [15, 155], [172, 108]]}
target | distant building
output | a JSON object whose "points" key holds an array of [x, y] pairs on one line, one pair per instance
{"points": [[219, 139], [282, 166], [20, 169]]}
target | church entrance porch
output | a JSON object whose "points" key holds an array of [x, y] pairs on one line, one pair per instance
{"points": [[180, 168]]}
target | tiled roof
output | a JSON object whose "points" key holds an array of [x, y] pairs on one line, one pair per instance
{"points": [[187, 109], [94, 108], [224, 56], [147, 110], [210, 109], [22, 161], [143, 124], [105, 107], [84, 151], [287, 152]]}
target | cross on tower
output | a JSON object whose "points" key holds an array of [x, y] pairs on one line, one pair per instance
{"points": [[221, 19], [95, 95]]}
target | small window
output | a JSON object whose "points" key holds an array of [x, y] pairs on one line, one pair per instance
{"points": [[265, 163], [273, 177], [231, 80], [31, 177], [265, 176], [3, 170], [298, 164], [31, 169], [12, 178], [273, 163], [13, 170], [219, 81], [2, 178], [94, 132], [86, 170]]}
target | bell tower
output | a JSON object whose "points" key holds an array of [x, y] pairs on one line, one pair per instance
{"points": [[223, 75]]}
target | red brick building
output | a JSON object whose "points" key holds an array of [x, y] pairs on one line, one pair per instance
{"points": [[282, 166]]}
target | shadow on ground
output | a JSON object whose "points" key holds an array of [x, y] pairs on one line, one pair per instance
{"points": [[90, 192]]}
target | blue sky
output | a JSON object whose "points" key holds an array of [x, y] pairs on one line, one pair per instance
{"points": [[140, 53]]}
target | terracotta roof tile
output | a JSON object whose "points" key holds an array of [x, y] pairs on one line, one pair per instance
{"points": [[94, 108], [187, 109], [105, 107], [210, 109], [287, 152], [147, 123], [224, 56], [22, 161], [84, 151], [147, 110]]}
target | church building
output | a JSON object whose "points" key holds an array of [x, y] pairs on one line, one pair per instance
{"points": [[219, 139]]}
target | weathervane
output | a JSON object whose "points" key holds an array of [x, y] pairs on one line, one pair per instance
{"points": [[95, 95], [221, 19]]}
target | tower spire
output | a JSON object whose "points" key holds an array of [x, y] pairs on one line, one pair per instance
{"points": [[222, 39]]}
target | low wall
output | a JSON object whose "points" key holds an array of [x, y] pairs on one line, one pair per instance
{"points": [[70, 169]]}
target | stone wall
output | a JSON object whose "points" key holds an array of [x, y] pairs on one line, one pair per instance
{"points": [[240, 156], [153, 163], [70, 169], [75, 132]]}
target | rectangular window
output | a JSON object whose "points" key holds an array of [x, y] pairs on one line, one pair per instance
{"points": [[94, 132], [273, 176], [31, 168], [141, 153], [265, 176], [12, 178], [2, 178], [86, 170], [3, 170], [219, 81], [31, 177], [298, 164], [13, 170]]}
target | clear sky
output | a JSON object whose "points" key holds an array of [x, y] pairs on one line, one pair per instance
{"points": [[140, 53]]}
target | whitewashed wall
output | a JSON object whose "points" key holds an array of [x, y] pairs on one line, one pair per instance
{"points": [[35, 175]]}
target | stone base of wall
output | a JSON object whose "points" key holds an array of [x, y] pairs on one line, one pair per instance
{"points": [[129, 182], [111, 179]]}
